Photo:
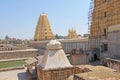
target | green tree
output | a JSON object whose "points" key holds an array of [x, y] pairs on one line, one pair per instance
{"points": [[6, 37], [56, 36]]}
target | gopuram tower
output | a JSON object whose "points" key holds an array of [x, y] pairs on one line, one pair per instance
{"points": [[43, 29], [102, 15], [105, 13], [72, 34]]}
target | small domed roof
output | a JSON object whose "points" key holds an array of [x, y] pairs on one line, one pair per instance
{"points": [[53, 45], [114, 28]]}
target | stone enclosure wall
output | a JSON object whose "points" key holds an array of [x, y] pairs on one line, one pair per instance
{"points": [[17, 54], [67, 44]]}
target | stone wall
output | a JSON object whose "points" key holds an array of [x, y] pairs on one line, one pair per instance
{"points": [[17, 54], [79, 59], [114, 44], [54, 74], [94, 43], [67, 44], [111, 63]]}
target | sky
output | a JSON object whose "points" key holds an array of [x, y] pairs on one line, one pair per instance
{"points": [[18, 18]]}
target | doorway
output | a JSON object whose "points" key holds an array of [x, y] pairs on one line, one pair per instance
{"points": [[96, 57]]}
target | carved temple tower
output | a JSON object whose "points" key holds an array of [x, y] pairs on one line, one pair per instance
{"points": [[72, 34], [102, 15], [105, 13], [43, 29]]}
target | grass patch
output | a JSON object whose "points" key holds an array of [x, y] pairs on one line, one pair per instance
{"points": [[9, 64]]}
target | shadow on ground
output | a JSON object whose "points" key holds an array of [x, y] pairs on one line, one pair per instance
{"points": [[95, 63], [23, 76]]}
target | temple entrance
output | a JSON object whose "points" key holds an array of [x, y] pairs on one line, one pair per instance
{"points": [[96, 54], [96, 57]]}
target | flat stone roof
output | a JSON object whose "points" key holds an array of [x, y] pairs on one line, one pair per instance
{"points": [[99, 72]]}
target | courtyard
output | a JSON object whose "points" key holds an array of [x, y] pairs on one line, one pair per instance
{"points": [[14, 75]]}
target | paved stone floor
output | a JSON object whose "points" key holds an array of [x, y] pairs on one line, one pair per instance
{"points": [[14, 75]]}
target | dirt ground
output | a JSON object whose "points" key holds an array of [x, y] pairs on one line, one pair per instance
{"points": [[14, 75]]}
